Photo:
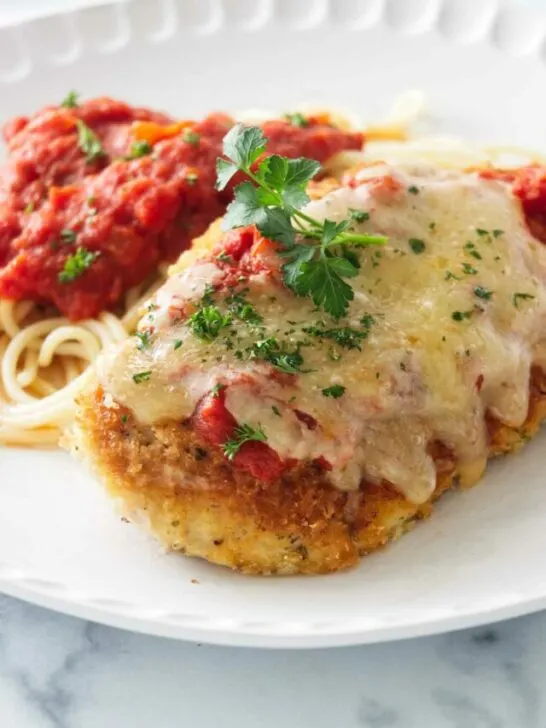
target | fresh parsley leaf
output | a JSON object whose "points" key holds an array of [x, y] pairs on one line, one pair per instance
{"points": [[70, 101], [276, 410], [224, 172], [177, 344], [89, 143], [335, 391], [207, 322], [244, 144], [413, 190], [242, 434], [245, 209], [297, 119], [320, 280], [469, 269], [76, 265], [142, 376], [276, 225], [497, 233]]}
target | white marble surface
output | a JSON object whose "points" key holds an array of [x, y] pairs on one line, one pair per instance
{"points": [[59, 672]]}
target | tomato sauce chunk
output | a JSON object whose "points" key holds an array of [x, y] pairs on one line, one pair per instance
{"points": [[94, 197]]}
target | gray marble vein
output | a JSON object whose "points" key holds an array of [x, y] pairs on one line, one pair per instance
{"points": [[59, 672]]}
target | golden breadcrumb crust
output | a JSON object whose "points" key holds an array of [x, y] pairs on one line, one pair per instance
{"points": [[196, 502]]}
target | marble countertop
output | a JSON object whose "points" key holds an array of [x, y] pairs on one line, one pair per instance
{"points": [[60, 672]]}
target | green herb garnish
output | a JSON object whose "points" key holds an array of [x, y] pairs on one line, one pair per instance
{"points": [[177, 344], [191, 137], [207, 322], [416, 245], [289, 361], [70, 101], [335, 391], [521, 297], [139, 149], [358, 215], [215, 391], [142, 376], [296, 119], [67, 236], [89, 143], [461, 315], [469, 270], [271, 199], [345, 336], [75, 265], [483, 293], [413, 190], [144, 339], [276, 410], [242, 433]]}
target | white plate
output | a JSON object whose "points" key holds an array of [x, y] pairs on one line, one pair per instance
{"points": [[480, 557]]}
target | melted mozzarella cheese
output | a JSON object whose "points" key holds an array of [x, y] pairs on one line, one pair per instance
{"points": [[458, 301]]}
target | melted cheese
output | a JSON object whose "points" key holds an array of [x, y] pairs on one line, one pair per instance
{"points": [[437, 357]]}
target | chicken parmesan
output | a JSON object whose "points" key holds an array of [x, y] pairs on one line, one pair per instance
{"points": [[316, 372]]}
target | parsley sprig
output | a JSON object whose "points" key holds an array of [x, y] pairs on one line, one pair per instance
{"points": [[317, 259], [242, 433]]}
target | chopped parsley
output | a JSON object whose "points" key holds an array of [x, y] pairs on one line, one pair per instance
{"points": [[207, 323], [142, 376], [345, 336], [297, 119], [215, 391], [70, 101], [139, 149], [289, 361], [335, 391], [177, 344], [413, 190], [89, 143], [76, 265], [521, 297], [144, 339], [416, 245], [124, 419], [432, 226], [67, 236], [483, 293], [497, 233], [482, 232], [276, 410], [449, 276], [469, 269], [241, 309], [471, 249], [223, 257], [461, 315], [358, 215], [271, 198], [191, 137], [242, 434]]}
